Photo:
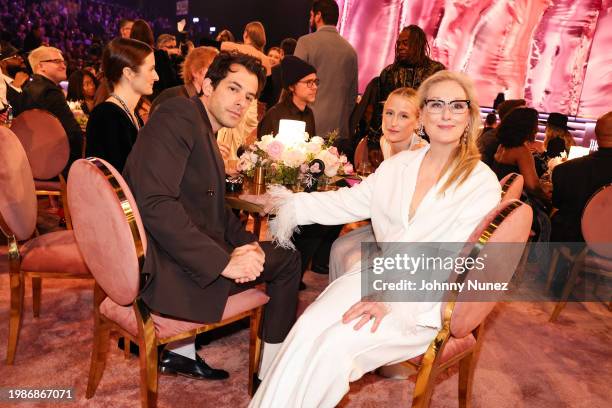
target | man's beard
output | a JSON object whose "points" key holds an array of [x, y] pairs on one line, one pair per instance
{"points": [[12, 70]]}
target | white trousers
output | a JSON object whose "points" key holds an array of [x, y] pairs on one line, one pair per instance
{"points": [[346, 251], [321, 355]]}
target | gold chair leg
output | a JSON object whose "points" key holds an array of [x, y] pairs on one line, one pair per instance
{"points": [[98, 356], [466, 378], [148, 371], [36, 292], [423, 388], [17, 284], [567, 290], [126, 348], [254, 347], [551, 271], [64, 197]]}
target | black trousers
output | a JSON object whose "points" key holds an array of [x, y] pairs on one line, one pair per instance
{"points": [[314, 243], [282, 275]]}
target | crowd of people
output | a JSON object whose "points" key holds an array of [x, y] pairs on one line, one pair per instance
{"points": [[173, 122]]}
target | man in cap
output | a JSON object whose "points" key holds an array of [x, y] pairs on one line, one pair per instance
{"points": [[44, 92], [12, 77], [300, 84], [575, 181]]}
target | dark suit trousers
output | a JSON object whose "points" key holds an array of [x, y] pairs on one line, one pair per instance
{"points": [[282, 276]]}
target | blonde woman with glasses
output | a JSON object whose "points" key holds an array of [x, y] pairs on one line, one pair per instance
{"points": [[438, 193]]}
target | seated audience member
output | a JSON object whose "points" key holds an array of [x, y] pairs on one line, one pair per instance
{"points": [[225, 35], [274, 85], [446, 193], [490, 122], [167, 43], [558, 138], [125, 27], [82, 87], [44, 92], [168, 77], [513, 156], [275, 55], [300, 85], [193, 72], [129, 67], [399, 125], [199, 253], [575, 181], [12, 77], [487, 142]]}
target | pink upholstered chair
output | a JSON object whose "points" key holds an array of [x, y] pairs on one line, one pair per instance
{"points": [[460, 338], [111, 236], [596, 257], [52, 255], [512, 186], [45, 142]]}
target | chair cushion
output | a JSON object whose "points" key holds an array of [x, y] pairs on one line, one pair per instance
{"points": [[595, 222], [47, 185], [453, 347], [44, 139], [53, 252], [125, 317], [18, 205]]}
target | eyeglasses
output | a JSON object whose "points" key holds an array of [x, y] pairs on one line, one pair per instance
{"points": [[457, 107], [55, 61], [311, 83]]}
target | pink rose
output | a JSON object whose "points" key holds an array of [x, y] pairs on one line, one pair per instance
{"points": [[275, 149], [333, 151], [348, 168]]}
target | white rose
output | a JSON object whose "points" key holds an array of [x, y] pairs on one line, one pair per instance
{"points": [[332, 163], [318, 140]]}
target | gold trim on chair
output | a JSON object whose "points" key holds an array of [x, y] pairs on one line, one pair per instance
{"points": [[508, 183], [429, 368]]}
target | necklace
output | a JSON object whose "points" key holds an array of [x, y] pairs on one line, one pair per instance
{"points": [[126, 110]]}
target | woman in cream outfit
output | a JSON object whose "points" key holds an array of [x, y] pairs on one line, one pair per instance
{"points": [[400, 120], [435, 194]]}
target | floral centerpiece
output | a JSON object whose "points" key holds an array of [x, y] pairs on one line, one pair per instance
{"points": [[79, 115], [294, 158]]}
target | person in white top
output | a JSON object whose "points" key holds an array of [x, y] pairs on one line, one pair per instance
{"points": [[438, 193], [399, 124]]}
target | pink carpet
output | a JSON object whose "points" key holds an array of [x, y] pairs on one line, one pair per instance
{"points": [[525, 361]]}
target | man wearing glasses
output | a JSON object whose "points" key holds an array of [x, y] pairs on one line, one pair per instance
{"points": [[44, 92], [300, 84]]}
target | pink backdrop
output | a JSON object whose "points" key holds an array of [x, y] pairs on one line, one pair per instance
{"points": [[557, 54]]}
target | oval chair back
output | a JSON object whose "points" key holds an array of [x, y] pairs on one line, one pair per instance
{"points": [[595, 222], [106, 221], [18, 206], [512, 186], [44, 139], [361, 153], [506, 227]]}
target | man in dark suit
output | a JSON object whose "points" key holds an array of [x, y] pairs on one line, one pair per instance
{"points": [[44, 92], [575, 181], [198, 252]]}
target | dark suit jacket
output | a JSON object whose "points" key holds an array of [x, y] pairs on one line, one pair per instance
{"points": [[42, 93], [574, 182], [176, 174]]}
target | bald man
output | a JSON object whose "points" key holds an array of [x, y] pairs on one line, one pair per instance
{"points": [[575, 181]]}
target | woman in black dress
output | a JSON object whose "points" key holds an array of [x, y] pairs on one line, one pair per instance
{"points": [[129, 68]]}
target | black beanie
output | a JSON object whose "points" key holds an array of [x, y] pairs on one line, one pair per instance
{"points": [[293, 69]]}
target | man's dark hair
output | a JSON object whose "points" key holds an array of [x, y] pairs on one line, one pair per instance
{"points": [[504, 108], [288, 45], [222, 63], [418, 47], [124, 21], [328, 9], [519, 126], [490, 119]]}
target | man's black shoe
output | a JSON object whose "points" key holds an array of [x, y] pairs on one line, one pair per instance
{"points": [[256, 383], [174, 364]]}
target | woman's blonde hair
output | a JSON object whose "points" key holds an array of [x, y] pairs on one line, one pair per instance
{"points": [[198, 58], [257, 34], [466, 156], [553, 132]]}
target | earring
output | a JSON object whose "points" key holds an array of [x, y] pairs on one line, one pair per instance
{"points": [[421, 131], [465, 135]]}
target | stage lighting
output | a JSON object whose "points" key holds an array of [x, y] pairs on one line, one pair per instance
{"points": [[196, 19]]}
